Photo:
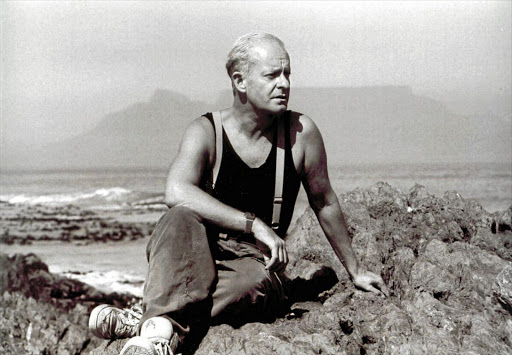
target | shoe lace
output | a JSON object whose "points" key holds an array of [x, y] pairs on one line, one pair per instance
{"points": [[163, 347], [166, 347], [134, 313], [126, 324]]}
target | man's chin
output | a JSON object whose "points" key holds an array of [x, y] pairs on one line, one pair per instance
{"points": [[275, 109], [280, 108]]}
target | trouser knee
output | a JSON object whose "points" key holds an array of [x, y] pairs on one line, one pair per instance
{"points": [[175, 228], [246, 289], [178, 216]]}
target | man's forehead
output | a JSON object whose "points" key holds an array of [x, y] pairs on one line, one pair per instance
{"points": [[271, 54]]}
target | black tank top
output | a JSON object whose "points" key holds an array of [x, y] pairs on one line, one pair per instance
{"points": [[252, 189]]}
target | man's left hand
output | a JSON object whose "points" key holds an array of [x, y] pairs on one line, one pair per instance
{"points": [[371, 282]]}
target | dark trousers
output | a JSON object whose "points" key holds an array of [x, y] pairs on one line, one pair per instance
{"points": [[195, 276]]}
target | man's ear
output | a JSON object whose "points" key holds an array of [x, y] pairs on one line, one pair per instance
{"points": [[238, 81]]}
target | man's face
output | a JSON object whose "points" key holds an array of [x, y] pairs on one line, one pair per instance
{"points": [[268, 80]]}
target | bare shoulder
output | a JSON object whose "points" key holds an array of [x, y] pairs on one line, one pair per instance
{"points": [[198, 138], [201, 125], [304, 136], [303, 127], [201, 130]]}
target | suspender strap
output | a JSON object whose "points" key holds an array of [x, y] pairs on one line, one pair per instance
{"points": [[217, 121], [278, 190]]}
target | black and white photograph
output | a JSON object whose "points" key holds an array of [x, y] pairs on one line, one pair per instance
{"points": [[255, 177]]}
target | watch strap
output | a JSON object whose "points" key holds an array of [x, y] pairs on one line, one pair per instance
{"points": [[249, 219]]}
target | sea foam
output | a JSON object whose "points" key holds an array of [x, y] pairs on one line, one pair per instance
{"points": [[115, 194], [109, 281]]}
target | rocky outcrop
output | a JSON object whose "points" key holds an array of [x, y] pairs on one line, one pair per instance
{"points": [[31, 327], [449, 273], [27, 224], [29, 276], [44, 313], [449, 278]]}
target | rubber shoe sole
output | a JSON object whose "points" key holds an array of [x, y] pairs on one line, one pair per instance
{"points": [[94, 320]]}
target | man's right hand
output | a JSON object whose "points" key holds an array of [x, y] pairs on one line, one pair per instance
{"points": [[271, 245]]}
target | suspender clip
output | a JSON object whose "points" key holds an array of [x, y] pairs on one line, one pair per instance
{"points": [[278, 200]]}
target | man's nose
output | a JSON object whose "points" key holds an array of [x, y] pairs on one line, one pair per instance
{"points": [[283, 81]]}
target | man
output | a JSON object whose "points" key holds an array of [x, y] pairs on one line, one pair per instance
{"points": [[218, 253]]}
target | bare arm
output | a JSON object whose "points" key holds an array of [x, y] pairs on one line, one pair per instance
{"points": [[325, 204], [195, 155], [185, 174]]}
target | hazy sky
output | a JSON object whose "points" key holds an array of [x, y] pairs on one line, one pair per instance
{"points": [[64, 65]]}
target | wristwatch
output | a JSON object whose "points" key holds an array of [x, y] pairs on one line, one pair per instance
{"points": [[249, 219]]}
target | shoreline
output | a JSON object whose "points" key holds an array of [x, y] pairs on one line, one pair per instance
{"points": [[110, 267]]}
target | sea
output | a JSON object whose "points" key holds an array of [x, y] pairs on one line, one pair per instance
{"points": [[121, 266]]}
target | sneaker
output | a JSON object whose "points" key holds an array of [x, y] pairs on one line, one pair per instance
{"points": [[109, 322], [143, 346], [138, 346]]}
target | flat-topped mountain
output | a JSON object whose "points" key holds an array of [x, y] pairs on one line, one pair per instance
{"points": [[359, 124]]}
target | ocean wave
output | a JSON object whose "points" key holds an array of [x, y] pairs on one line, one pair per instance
{"points": [[110, 281], [115, 194]]}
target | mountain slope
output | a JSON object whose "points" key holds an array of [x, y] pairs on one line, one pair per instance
{"points": [[365, 124], [145, 134]]}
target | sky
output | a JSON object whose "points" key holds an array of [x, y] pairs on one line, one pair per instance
{"points": [[66, 64]]}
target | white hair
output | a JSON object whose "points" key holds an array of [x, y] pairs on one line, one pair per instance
{"points": [[239, 56]]}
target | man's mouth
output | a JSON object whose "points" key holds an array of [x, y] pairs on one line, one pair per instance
{"points": [[281, 97]]}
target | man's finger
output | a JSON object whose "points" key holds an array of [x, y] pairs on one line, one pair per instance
{"points": [[272, 261], [373, 289], [383, 288], [379, 283], [282, 255]]}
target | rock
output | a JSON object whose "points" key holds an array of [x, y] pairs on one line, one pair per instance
{"points": [[43, 313], [29, 275], [429, 251], [440, 270], [496, 243], [502, 221], [26, 224], [31, 327], [109, 347], [502, 288]]}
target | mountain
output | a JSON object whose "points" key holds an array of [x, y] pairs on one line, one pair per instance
{"points": [[383, 124], [359, 125], [145, 134]]}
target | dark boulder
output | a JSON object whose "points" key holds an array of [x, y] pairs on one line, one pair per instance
{"points": [[28, 275], [44, 313]]}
